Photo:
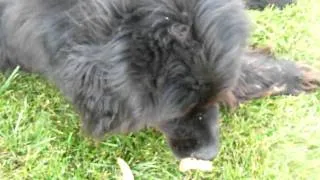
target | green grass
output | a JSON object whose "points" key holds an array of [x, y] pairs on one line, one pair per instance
{"points": [[272, 138]]}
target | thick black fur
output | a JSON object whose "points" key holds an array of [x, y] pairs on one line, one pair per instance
{"points": [[262, 74], [127, 64]]}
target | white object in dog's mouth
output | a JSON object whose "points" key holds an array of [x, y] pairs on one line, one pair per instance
{"points": [[187, 164]]}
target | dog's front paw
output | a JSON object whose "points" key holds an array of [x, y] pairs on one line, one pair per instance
{"points": [[310, 78]]}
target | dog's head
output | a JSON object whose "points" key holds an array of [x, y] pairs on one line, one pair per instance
{"points": [[192, 49], [168, 61]]}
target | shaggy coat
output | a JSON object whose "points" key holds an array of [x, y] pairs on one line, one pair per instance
{"points": [[129, 64]]}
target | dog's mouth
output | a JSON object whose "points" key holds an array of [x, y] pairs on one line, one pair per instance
{"points": [[183, 148]]}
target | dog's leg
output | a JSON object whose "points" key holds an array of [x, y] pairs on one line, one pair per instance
{"points": [[261, 4], [5, 63], [264, 75]]}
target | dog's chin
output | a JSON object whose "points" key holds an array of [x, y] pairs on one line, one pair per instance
{"points": [[194, 135], [190, 148], [182, 148]]}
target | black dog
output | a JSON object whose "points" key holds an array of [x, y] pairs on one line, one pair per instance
{"points": [[126, 65]]}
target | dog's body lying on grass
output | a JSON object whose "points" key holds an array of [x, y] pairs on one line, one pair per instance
{"points": [[127, 64]]}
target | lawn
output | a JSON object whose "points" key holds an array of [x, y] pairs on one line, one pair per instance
{"points": [[271, 138]]}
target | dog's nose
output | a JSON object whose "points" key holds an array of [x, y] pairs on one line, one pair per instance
{"points": [[206, 153]]}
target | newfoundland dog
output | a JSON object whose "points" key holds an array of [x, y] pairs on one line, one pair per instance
{"points": [[131, 64]]}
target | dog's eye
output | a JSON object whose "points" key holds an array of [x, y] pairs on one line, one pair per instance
{"points": [[199, 116]]}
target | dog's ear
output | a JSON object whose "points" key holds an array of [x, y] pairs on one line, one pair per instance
{"points": [[180, 32], [84, 85]]}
